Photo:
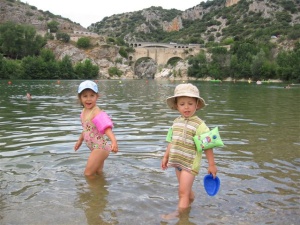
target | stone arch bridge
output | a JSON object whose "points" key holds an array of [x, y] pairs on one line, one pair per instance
{"points": [[161, 53]]}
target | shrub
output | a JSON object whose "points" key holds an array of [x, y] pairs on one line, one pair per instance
{"points": [[114, 71], [83, 42]]}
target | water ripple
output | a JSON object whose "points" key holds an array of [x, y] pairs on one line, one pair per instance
{"points": [[41, 174]]}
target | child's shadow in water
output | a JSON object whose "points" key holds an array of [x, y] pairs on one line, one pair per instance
{"points": [[93, 199]]}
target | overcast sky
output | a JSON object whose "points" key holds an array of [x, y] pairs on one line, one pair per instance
{"points": [[87, 12]]}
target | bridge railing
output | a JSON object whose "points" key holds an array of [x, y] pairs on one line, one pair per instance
{"points": [[162, 45]]}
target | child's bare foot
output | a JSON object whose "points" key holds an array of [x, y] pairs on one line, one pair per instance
{"points": [[170, 216], [178, 214]]}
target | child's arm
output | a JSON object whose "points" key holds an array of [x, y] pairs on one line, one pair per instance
{"points": [[79, 142], [165, 159], [211, 162], [111, 136]]}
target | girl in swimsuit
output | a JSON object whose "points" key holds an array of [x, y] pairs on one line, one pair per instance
{"points": [[96, 125]]}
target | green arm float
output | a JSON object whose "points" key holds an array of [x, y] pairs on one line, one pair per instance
{"points": [[169, 135], [208, 140]]}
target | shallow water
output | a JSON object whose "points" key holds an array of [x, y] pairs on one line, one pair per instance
{"points": [[42, 178]]}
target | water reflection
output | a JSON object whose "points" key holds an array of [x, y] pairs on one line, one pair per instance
{"points": [[42, 177], [92, 199]]}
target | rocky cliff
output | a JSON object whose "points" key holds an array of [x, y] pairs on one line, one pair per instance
{"points": [[231, 2], [174, 25], [104, 56]]}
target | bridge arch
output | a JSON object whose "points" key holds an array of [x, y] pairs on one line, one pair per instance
{"points": [[172, 59], [161, 53]]}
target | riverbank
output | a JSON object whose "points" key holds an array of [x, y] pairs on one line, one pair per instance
{"points": [[229, 79]]}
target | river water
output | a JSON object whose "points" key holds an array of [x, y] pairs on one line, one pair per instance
{"points": [[42, 178]]}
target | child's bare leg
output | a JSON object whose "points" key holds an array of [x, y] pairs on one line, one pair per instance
{"points": [[100, 169], [174, 214], [95, 162], [192, 197], [185, 192], [192, 194]]}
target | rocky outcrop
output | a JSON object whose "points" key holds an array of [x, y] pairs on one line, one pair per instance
{"points": [[22, 13], [104, 56], [143, 28], [266, 8], [153, 18], [174, 25], [150, 15], [231, 2], [194, 13], [175, 73], [146, 69]]}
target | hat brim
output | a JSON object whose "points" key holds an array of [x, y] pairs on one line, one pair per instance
{"points": [[172, 104], [85, 88], [87, 85]]}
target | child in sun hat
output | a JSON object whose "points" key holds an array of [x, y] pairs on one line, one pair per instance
{"points": [[96, 125], [181, 152]]}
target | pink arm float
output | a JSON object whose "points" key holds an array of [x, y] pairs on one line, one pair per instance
{"points": [[102, 121]]}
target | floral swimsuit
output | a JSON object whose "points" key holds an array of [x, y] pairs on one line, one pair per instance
{"points": [[94, 138]]}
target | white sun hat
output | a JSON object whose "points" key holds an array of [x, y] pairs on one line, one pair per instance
{"points": [[187, 90]]}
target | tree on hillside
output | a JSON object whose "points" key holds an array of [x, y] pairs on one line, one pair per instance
{"points": [[9, 69], [288, 64], [66, 68], [199, 66], [18, 41], [34, 68], [219, 66], [86, 70], [63, 37], [53, 26]]}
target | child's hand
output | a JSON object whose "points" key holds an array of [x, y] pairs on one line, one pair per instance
{"points": [[111, 136], [77, 145], [212, 169], [114, 147], [79, 142], [164, 163]]}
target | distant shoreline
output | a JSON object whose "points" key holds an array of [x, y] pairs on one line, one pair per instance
{"points": [[208, 79], [229, 79]]}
